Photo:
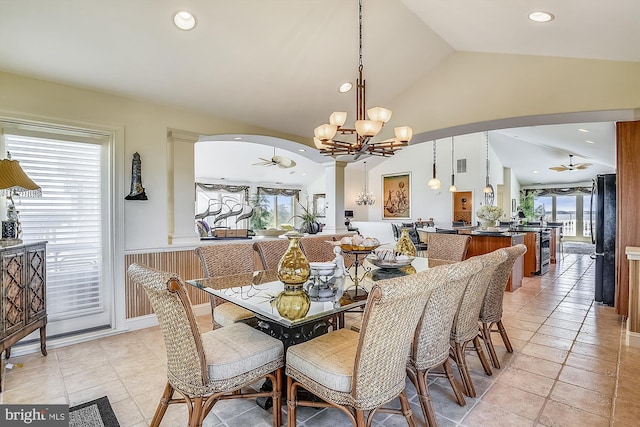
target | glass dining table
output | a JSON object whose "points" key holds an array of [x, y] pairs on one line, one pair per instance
{"points": [[258, 290]]}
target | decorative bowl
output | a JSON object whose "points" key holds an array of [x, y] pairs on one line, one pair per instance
{"points": [[322, 268], [358, 248], [271, 232], [394, 263]]}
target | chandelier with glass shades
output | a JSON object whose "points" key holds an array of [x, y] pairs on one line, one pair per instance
{"points": [[364, 197], [365, 129]]}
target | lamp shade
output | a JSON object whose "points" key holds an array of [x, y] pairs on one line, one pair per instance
{"points": [[379, 114], [368, 127], [338, 118], [325, 132], [318, 143], [403, 133], [434, 184], [13, 179]]}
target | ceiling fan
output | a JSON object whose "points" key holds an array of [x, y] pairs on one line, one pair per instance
{"points": [[570, 166], [280, 161]]}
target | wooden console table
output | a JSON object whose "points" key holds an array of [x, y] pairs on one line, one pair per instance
{"points": [[23, 303]]}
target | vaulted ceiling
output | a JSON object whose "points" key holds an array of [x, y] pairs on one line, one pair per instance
{"points": [[278, 63]]}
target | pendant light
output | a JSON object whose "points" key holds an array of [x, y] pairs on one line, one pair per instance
{"points": [[453, 176], [488, 189], [434, 182], [364, 197]]}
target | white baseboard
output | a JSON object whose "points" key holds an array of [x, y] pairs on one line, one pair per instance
{"points": [[632, 339], [142, 322]]}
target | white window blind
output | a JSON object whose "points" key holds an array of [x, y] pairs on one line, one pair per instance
{"points": [[68, 216]]}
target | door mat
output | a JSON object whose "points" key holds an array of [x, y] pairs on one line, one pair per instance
{"points": [[95, 413]]}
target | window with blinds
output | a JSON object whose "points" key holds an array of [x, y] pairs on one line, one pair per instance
{"points": [[68, 216]]}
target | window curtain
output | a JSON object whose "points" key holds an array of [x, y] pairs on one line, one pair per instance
{"points": [[280, 192], [568, 191], [227, 188]]}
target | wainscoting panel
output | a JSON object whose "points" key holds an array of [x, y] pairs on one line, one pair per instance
{"points": [[185, 263]]}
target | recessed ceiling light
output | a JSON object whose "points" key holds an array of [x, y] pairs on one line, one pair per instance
{"points": [[304, 174], [345, 87], [534, 171], [238, 138], [589, 141], [583, 130], [184, 20], [541, 16], [302, 150]]}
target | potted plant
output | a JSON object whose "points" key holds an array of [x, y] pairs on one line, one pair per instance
{"points": [[261, 216], [309, 219]]}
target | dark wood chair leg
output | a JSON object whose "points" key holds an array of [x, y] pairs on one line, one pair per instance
{"points": [[454, 384], [505, 337], [483, 359], [459, 357], [406, 409], [486, 337], [277, 399], [167, 395], [291, 403]]}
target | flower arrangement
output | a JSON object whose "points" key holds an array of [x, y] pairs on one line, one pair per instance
{"points": [[489, 213]]}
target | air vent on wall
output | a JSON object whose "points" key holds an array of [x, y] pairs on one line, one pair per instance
{"points": [[462, 165]]}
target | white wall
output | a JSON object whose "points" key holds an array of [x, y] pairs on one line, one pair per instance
{"points": [[418, 159]]}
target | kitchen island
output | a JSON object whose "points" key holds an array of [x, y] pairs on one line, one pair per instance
{"points": [[483, 242]]}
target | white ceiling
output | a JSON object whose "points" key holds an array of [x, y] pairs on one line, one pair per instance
{"points": [[278, 63]]}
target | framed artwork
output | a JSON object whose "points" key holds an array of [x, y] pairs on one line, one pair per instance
{"points": [[396, 193], [320, 205]]}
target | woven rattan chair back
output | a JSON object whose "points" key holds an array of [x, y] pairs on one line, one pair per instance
{"points": [[317, 248], [191, 355], [270, 251], [491, 311], [186, 367], [430, 348], [465, 323], [431, 343], [386, 336], [452, 247], [226, 259], [465, 329], [492, 305]]}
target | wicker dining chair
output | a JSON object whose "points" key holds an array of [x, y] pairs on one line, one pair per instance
{"points": [[358, 372], [491, 312], [270, 251], [205, 368], [430, 348], [465, 323], [452, 247], [225, 260], [320, 249]]}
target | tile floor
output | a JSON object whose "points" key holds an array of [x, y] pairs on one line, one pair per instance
{"points": [[570, 368]]}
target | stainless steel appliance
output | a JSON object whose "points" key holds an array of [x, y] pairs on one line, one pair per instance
{"points": [[603, 234], [545, 251]]}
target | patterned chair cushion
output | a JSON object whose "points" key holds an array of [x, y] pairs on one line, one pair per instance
{"points": [[238, 348], [328, 359]]}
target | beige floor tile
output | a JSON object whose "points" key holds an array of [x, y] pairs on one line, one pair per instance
{"points": [[486, 414], [87, 379], [551, 341], [114, 390], [581, 398], [566, 334], [596, 351], [563, 324], [536, 366], [599, 366], [589, 380], [556, 414], [626, 411], [544, 352], [514, 400], [127, 413], [526, 381]]}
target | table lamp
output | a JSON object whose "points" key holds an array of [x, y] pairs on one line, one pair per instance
{"points": [[13, 181]]}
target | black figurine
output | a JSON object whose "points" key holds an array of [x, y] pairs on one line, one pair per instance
{"points": [[137, 190]]}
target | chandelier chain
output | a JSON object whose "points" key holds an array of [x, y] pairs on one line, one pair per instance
{"points": [[360, 34]]}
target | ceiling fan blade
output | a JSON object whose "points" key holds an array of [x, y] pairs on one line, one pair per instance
{"points": [[560, 168], [582, 166], [283, 162]]}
